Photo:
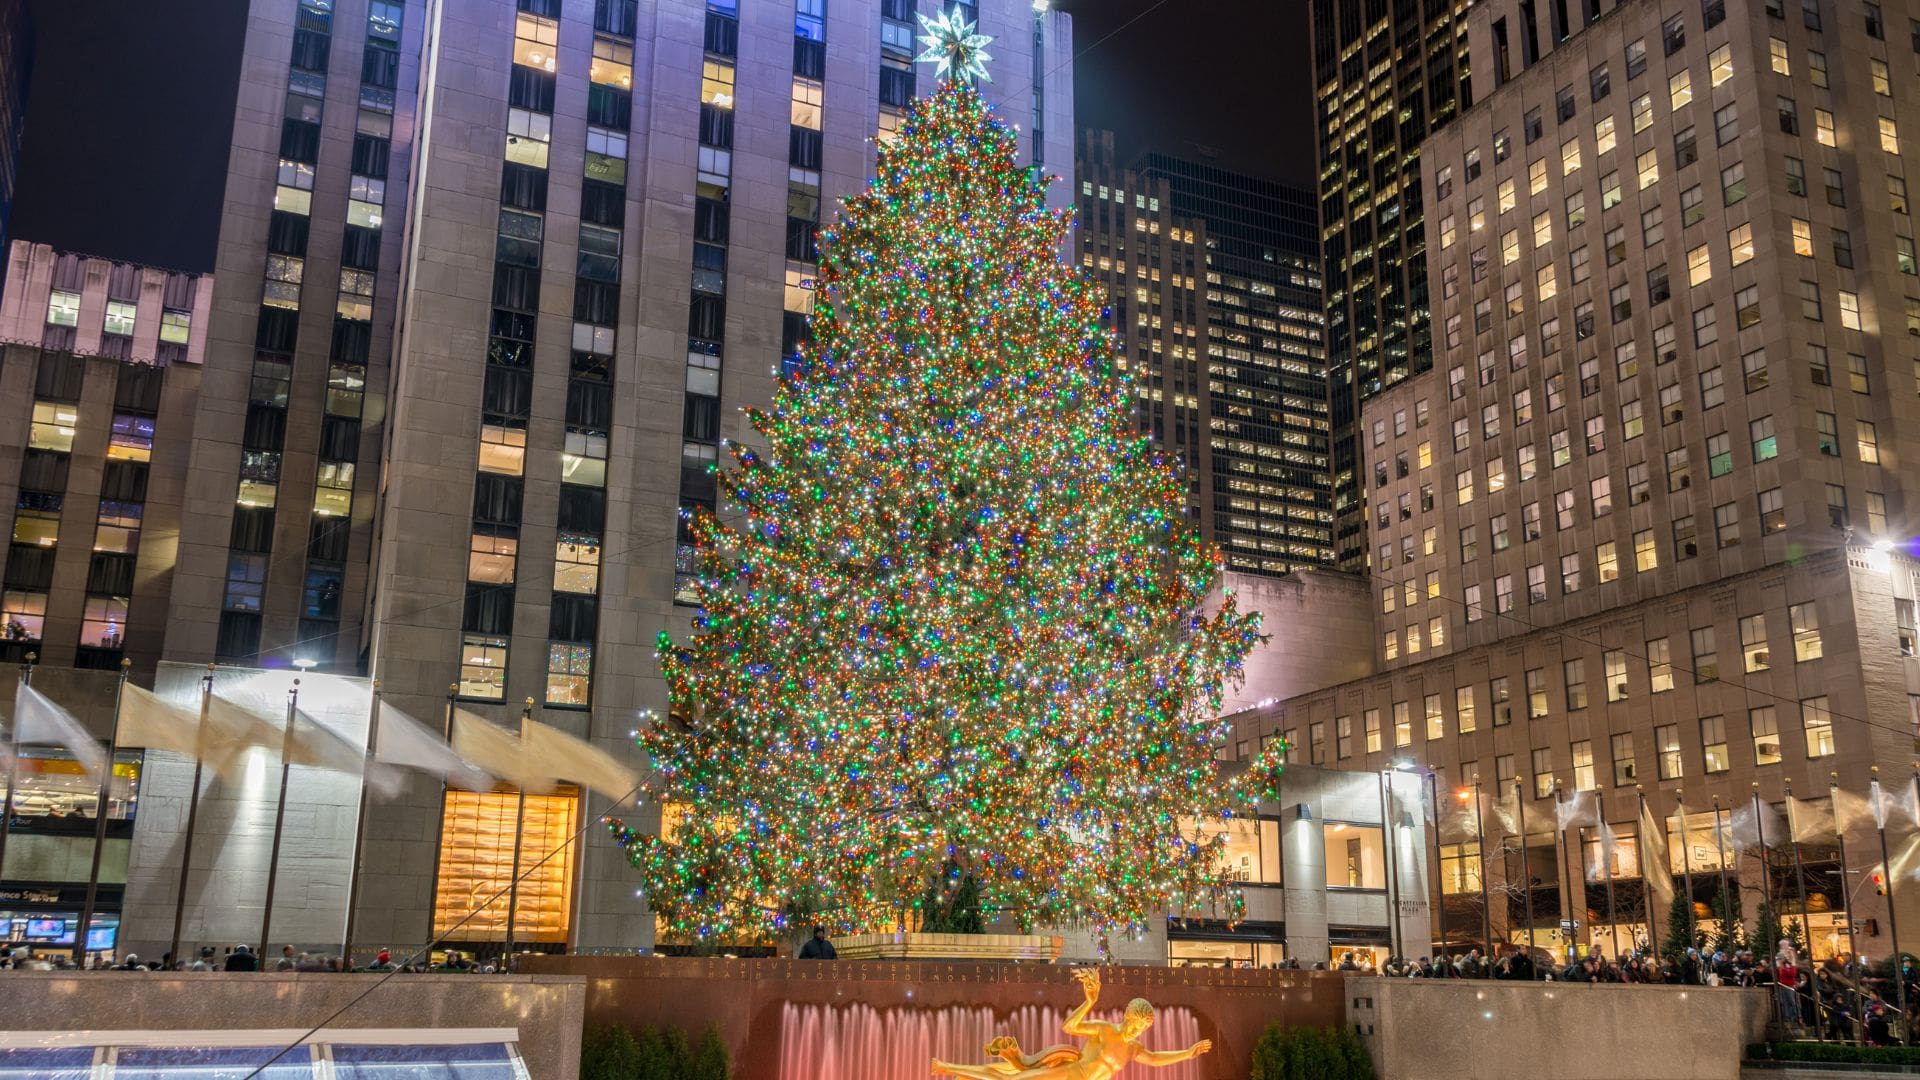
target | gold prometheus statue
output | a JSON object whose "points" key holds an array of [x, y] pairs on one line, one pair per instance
{"points": [[1108, 1047]]}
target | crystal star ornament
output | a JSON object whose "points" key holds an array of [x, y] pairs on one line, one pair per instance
{"points": [[952, 44]]}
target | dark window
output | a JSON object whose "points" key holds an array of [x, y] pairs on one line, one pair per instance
{"points": [[722, 35], [310, 50], [530, 88], [516, 287], [614, 17], [803, 147], [896, 87], [1712, 13], [239, 635], [800, 240], [46, 470], [30, 566], [352, 341], [1673, 33], [524, 187], [583, 510], [572, 617], [266, 428], [1599, 84], [329, 537], [138, 388], [121, 481], [602, 203], [340, 438], [370, 156], [596, 302], [507, 393], [1563, 105], [278, 329], [287, 233], [252, 529], [710, 219], [809, 58], [380, 66], [701, 421], [489, 609], [609, 107], [589, 405], [716, 127], [299, 141], [707, 317], [361, 248], [1532, 126], [110, 573], [496, 499], [59, 377]]}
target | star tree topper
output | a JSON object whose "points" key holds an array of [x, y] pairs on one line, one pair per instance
{"points": [[952, 44]]}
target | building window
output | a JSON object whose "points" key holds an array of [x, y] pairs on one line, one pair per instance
{"points": [[1574, 674], [1706, 658], [1402, 724], [1666, 743], [483, 667], [1713, 743], [1818, 722], [569, 674], [1659, 665], [1372, 723], [1806, 632], [1355, 855], [53, 426], [1773, 510], [103, 622], [1624, 769], [1583, 766], [1766, 735], [1753, 643], [1543, 772], [24, 615], [1536, 693], [479, 833], [1343, 732]]}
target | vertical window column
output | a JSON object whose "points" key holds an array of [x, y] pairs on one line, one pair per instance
{"points": [[707, 309], [36, 516], [506, 395]]}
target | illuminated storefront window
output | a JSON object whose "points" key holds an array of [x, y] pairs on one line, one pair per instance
{"points": [[1252, 851], [476, 861], [1356, 856]]}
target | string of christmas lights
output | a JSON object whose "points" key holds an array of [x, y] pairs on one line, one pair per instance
{"points": [[955, 622]]}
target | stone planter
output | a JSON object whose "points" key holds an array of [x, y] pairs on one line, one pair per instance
{"points": [[1029, 948]]}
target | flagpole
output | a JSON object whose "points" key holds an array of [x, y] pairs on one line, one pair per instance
{"points": [[13, 766], [1720, 845], [1561, 873], [1606, 868], [1526, 864], [439, 837], [1846, 891], [279, 817], [1438, 913], [519, 832], [360, 827], [1893, 921], [1646, 878], [1800, 878], [1387, 834], [100, 825], [193, 806], [1486, 905], [1686, 863], [1766, 861]]}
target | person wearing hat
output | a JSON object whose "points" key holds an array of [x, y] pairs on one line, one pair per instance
{"points": [[203, 962], [242, 959], [382, 962]]}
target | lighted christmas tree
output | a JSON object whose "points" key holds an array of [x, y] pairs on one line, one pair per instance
{"points": [[953, 623]]}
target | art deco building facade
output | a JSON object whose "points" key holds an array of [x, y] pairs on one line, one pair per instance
{"points": [[1214, 284], [1647, 524], [1384, 76]]}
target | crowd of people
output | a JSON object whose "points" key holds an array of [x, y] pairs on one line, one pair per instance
{"points": [[237, 958], [1842, 998]]}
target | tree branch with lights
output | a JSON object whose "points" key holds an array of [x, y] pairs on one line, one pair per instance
{"points": [[954, 624]]}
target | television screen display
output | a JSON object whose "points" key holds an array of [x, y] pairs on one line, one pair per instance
{"points": [[100, 938], [46, 929]]}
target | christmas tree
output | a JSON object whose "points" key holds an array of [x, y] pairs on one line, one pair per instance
{"points": [[952, 623]]}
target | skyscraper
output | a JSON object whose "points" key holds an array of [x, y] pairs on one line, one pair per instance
{"points": [[1645, 525], [494, 282], [1384, 79], [1187, 249], [16, 72]]}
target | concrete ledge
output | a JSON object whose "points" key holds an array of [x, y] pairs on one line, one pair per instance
{"points": [[547, 1010], [1443, 1029]]}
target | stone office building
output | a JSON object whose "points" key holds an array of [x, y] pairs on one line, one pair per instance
{"points": [[1647, 525]]}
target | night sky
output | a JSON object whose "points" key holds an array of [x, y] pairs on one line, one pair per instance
{"points": [[131, 107], [128, 119], [1225, 80]]}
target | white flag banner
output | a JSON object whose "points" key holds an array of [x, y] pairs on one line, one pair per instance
{"points": [[1503, 818], [1597, 866], [1810, 820], [233, 728], [1906, 860], [314, 743], [1895, 804], [1755, 821], [575, 759], [500, 751], [1457, 818], [1656, 867], [1851, 812], [37, 721], [410, 744], [1582, 808], [151, 722]]}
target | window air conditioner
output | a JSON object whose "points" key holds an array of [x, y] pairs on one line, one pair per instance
{"points": [[1692, 550], [1768, 749], [1762, 658], [1686, 481], [1620, 690]]}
